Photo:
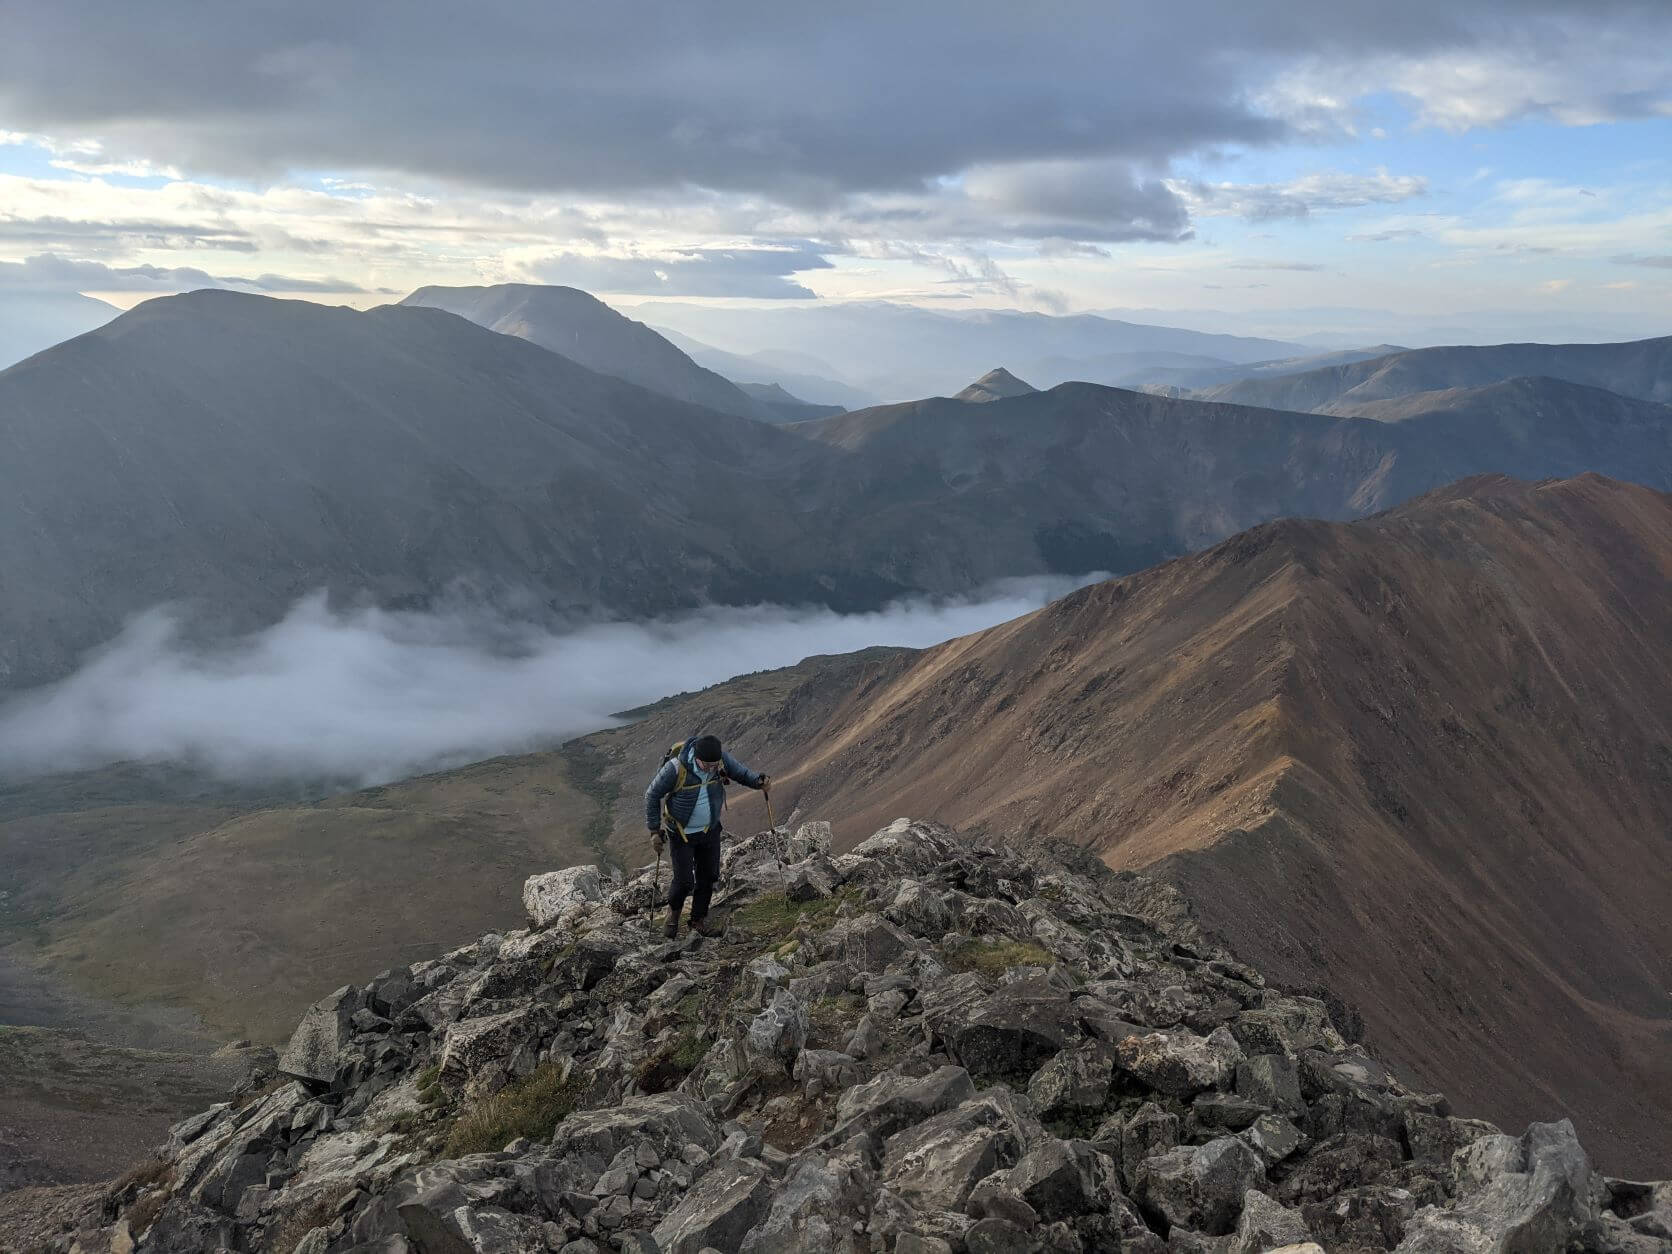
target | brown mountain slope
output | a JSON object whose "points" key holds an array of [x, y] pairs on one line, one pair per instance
{"points": [[1424, 760]]}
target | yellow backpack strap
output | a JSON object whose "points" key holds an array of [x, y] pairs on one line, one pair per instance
{"points": [[678, 752]]}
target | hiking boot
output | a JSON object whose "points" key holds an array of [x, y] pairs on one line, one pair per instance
{"points": [[702, 927], [670, 928]]}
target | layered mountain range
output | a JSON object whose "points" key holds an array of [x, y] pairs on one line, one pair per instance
{"points": [[236, 452]]}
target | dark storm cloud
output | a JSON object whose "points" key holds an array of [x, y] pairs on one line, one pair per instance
{"points": [[755, 272], [46, 273], [800, 102]]}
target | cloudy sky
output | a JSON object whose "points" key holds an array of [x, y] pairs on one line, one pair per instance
{"points": [[1418, 157]]}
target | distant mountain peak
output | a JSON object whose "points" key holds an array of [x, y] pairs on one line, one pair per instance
{"points": [[996, 385]]}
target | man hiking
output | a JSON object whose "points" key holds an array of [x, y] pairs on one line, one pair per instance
{"points": [[682, 809]]}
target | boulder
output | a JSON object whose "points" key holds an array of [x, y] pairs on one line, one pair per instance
{"points": [[920, 910], [474, 1044], [547, 896], [718, 1212], [1532, 1193], [884, 1105], [1013, 1030], [1201, 1187], [1064, 1179], [1273, 1081], [1150, 1131], [935, 1164], [1274, 1138], [820, 1208], [1372, 1217], [1342, 1162], [1074, 1084], [868, 942], [325, 1029], [1265, 1225], [1180, 1064], [670, 1122], [778, 1033], [810, 839], [811, 879]]}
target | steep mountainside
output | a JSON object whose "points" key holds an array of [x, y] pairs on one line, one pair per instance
{"points": [[927, 1044], [32, 321], [1641, 369], [1423, 760], [584, 329]]}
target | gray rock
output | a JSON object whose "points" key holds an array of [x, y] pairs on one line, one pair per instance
{"points": [[778, 1033], [820, 1208], [1372, 1217], [473, 1044], [1535, 1193], [868, 942], [1436, 1138], [810, 839], [1013, 1030], [884, 1105], [811, 879], [998, 1236], [719, 1210], [1273, 1081], [320, 1037], [1274, 1138], [547, 896], [672, 1122], [1283, 1027], [1151, 1131], [1064, 1179], [1201, 1187], [935, 1164], [1265, 1225], [920, 910], [1217, 1112], [1180, 1064], [1074, 1084], [1342, 1162]]}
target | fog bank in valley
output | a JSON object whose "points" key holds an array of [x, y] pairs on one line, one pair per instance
{"points": [[373, 695]]}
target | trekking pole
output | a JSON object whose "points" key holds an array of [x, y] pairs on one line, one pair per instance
{"points": [[656, 892]]}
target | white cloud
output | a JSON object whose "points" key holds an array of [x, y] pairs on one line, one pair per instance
{"points": [[375, 695]]}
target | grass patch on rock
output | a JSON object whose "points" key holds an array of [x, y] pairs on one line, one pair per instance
{"points": [[774, 917], [531, 1107], [993, 958]]}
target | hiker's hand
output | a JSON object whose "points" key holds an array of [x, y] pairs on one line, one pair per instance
{"points": [[658, 838], [766, 783]]}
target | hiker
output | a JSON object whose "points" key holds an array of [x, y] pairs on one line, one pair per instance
{"points": [[682, 809]]}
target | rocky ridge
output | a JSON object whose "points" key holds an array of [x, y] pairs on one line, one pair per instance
{"points": [[926, 1045]]}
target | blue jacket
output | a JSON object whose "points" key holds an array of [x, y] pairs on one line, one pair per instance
{"points": [[682, 803]]}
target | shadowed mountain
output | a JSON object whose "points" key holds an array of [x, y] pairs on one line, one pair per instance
{"points": [[781, 406], [1423, 761], [238, 452], [1640, 369], [584, 329], [996, 385], [244, 450]]}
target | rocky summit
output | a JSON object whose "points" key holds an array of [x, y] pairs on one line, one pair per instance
{"points": [[926, 1045]]}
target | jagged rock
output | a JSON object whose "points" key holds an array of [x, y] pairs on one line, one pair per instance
{"points": [[819, 1209], [476, 1043], [1273, 1081], [881, 1107], [821, 1071], [811, 879], [1274, 1138], [935, 1164], [326, 1028], [1372, 1217], [1151, 1131], [1180, 1063], [920, 910], [547, 896], [719, 1211], [778, 1033], [1219, 1112], [1532, 1193], [810, 839], [1436, 1138], [1013, 1030], [1265, 1225], [1346, 1161], [868, 942], [669, 1121], [1063, 1179], [1201, 1187], [1074, 1084], [998, 1236], [1284, 1027]]}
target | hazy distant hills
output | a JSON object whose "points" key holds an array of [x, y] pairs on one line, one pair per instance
{"points": [[902, 351], [805, 378], [586, 330], [31, 321], [1420, 760], [1641, 369]]}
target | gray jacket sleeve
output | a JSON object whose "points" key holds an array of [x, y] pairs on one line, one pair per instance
{"points": [[742, 774], [659, 788]]}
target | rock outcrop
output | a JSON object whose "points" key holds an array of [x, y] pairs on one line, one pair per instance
{"points": [[937, 1047]]}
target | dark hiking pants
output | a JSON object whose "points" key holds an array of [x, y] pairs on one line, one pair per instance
{"points": [[696, 860]]}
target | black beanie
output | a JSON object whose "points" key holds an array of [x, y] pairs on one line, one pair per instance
{"points": [[707, 749]]}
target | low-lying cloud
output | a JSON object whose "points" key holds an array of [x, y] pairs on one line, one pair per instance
{"points": [[373, 695]]}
